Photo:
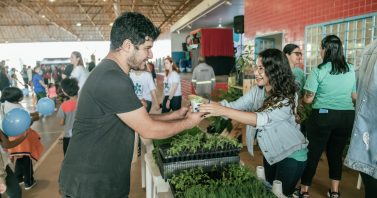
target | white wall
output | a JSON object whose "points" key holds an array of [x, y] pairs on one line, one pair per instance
{"points": [[17, 54], [177, 40], [162, 46]]}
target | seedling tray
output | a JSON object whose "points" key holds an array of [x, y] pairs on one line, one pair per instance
{"points": [[227, 151], [167, 169]]}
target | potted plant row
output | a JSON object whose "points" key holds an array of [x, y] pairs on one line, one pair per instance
{"points": [[230, 181], [199, 146], [195, 148]]}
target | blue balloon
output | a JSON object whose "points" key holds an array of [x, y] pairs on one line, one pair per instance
{"points": [[16, 121], [25, 91], [45, 106]]}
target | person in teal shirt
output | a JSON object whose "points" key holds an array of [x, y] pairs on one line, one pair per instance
{"points": [[331, 87], [294, 55]]}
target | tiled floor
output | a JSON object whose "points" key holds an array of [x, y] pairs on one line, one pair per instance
{"points": [[47, 169]]}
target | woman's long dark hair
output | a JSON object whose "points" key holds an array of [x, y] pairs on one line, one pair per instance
{"points": [[281, 79], [288, 49], [334, 54]]}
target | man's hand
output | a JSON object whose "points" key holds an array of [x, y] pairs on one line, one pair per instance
{"points": [[182, 112], [3, 188], [194, 118]]}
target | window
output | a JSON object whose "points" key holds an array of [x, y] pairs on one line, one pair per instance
{"points": [[356, 33]]}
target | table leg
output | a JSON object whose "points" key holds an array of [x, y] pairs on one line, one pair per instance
{"points": [[149, 184], [143, 167]]}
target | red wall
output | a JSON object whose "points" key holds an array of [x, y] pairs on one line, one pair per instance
{"points": [[291, 16]]}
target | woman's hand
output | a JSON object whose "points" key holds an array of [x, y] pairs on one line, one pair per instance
{"points": [[157, 107], [213, 109], [144, 103], [3, 188], [167, 105]]}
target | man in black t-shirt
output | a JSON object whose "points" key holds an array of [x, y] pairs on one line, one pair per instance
{"points": [[98, 160]]}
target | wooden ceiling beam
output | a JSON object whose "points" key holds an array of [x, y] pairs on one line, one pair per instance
{"points": [[181, 7], [116, 8], [35, 14], [133, 6], [90, 19], [60, 20]]}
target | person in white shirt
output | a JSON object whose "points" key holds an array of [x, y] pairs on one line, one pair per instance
{"points": [[79, 71], [144, 86], [172, 87]]}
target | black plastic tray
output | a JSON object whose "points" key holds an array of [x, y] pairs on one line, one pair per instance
{"points": [[201, 154], [167, 169]]}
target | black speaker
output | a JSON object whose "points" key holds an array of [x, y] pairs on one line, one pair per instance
{"points": [[184, 47], [238, 24]]}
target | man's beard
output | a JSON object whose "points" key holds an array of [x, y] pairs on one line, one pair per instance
{"points": [[133, 63]]}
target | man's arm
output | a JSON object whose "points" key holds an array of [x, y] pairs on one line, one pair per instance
{"points": [[141, 122], [175, 115]]}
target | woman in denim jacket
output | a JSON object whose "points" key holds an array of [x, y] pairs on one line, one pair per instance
{"points": [[270, 107], [362, 153]]}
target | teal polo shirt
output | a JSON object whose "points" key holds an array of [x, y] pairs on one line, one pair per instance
{"points": [[331, 91], [299, 77]]}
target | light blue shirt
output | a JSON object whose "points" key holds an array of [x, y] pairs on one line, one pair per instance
{"points": [[362, 152], [278, 133]]}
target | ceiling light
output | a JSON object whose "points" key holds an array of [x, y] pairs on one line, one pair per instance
{"points": [[43, 16], [78, 24], [178, 31], [189, 26], [228, 3], [51, 0], [220, 26], [110, 24]]}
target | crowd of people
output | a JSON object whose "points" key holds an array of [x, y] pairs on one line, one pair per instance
{"points": [[103, 113]]}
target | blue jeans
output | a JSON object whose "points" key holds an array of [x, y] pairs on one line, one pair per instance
{"points": [[175, 103], [288, 171]]}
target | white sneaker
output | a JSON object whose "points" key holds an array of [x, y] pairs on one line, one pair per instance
{"points": [[31, 186]]}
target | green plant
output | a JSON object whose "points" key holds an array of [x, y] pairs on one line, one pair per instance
{"points": [[232, 181], [190, 144], [244, 63], [218, 124]]}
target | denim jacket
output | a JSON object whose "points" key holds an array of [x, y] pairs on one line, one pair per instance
{"points": [[362, 153], [278, 134]]}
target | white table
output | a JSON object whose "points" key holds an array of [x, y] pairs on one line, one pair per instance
{"points": [[146, 147], [154, 182]]}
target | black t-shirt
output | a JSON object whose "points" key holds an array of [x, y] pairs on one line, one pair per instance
{"points": [[98, 159]]}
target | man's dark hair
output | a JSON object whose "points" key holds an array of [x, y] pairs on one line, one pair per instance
{"points": [[134, 27], [70, 86]]}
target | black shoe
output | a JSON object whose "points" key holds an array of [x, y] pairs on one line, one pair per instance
{"points": [[333, 194], [299, 194]]}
